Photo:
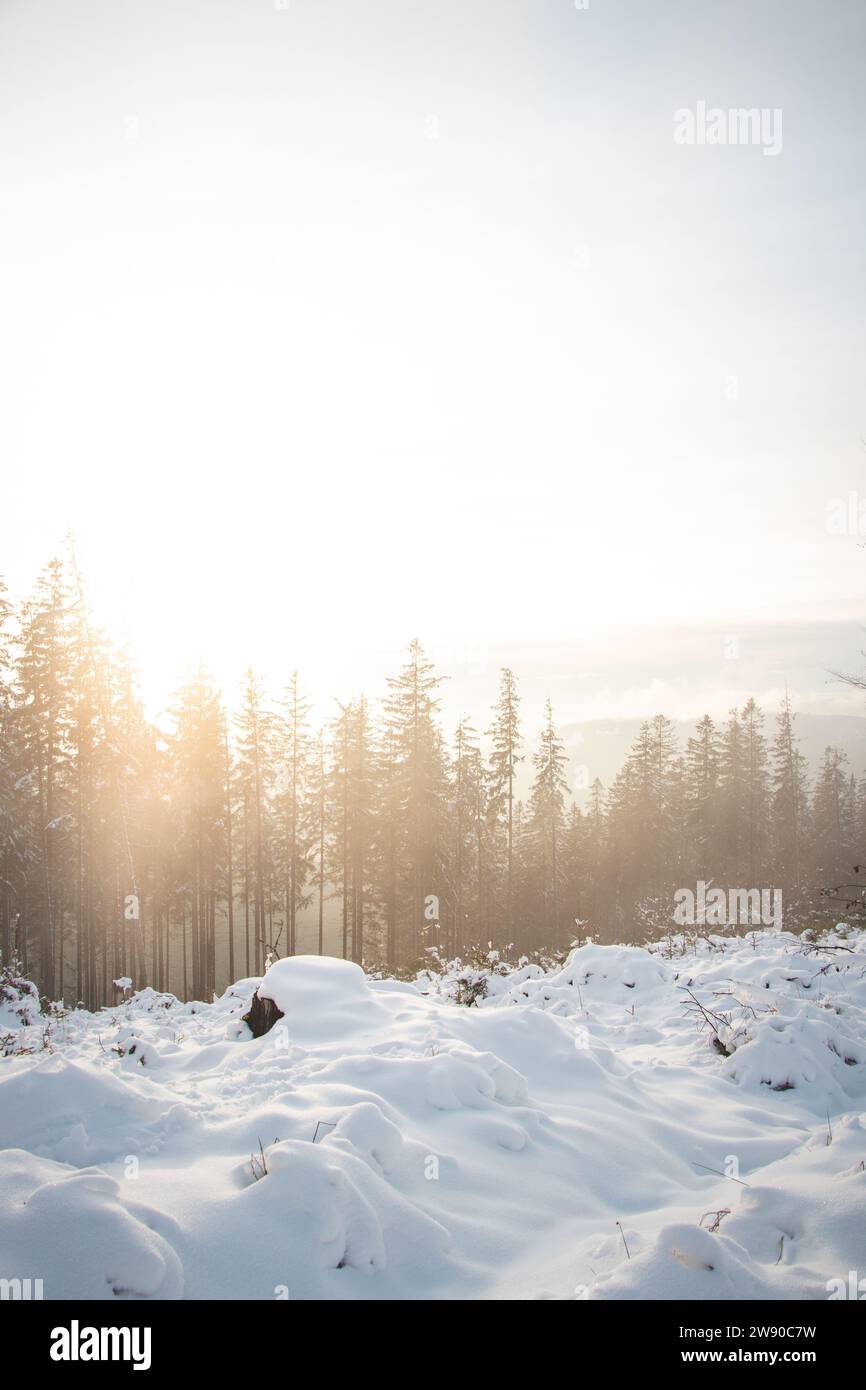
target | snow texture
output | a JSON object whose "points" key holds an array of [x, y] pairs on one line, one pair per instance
{"points": [[581, 1133]]}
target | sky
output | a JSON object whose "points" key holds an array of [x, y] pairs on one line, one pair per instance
{"points": [[326, 324]]}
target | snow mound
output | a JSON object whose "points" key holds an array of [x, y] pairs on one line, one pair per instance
{"points": [[321, 997], [685, 1262], [367, 1132], [78, 1112], [77, 1232], [336, 1209], [803, 1053], [306, 982], [789, 1237], [608, 974], [463, 1077]]}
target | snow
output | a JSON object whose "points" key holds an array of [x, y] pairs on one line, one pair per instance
{"points": [[113, 1248], [19, 1002], [322, 997], [581, 1133]]}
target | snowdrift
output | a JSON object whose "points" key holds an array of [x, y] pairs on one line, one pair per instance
{"points": [[679, 1122]]}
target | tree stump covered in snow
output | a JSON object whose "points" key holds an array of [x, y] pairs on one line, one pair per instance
{"points": [[318, 995], [262, 1016]]}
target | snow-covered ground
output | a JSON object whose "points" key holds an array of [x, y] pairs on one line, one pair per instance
{"points": [[556, 1141]]}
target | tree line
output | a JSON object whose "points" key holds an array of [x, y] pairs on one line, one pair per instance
{"points": [[184, 857]]}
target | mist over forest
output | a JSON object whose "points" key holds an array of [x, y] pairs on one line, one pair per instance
{"points": [[240, 828]]}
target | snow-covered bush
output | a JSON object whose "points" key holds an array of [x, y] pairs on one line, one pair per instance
{"points": [[480, 973], [19, 998]]}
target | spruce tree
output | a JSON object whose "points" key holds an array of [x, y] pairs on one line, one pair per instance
{"points": [[43, 692], [832, 816], [789, 813], [295, 752], [255, 758], [198, 762], [504, 759], [702, 775], [468, 817], [417, 799], [545, 830], [757, 794]]}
